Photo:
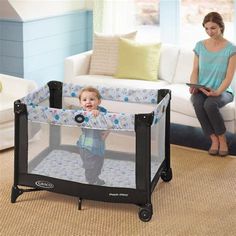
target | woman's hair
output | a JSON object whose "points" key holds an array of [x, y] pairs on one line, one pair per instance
{"points": [[92, 90], [214, 17]]}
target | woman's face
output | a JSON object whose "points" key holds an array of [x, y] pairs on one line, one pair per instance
{"points": [[213, 29]]}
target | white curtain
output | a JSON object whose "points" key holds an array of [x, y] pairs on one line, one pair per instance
{"points": [[113, 16]]}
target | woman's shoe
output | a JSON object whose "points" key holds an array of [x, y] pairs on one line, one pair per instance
{"points": [[213, 152], [223, 153]]}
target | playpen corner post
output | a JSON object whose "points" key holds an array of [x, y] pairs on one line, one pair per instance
{"points": [[55, 89], [55, 101], [161, 94], [20, 139], [143, 153]]}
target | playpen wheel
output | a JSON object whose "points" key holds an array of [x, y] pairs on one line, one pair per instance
{"points": [[166, 175], [145, 214]]}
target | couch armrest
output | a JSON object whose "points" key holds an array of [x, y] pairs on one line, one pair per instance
{"points": [[77, 65], [15, 86]]}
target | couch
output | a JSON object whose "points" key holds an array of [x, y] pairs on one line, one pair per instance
{"points": [[175, 67], [12, 88]]}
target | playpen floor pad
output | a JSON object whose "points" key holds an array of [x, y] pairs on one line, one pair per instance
{"points": [[66, 165]]}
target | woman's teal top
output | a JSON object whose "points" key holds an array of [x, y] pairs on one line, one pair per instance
{"points": [[213, 65]]}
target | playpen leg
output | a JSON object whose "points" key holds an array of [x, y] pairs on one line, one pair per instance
{"points": [[79, 203], [15, 193]]}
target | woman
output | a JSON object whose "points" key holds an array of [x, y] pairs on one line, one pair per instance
{"points": [[214, 67]]}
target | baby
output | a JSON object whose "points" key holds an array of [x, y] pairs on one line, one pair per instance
{"points": [[92, 142]]}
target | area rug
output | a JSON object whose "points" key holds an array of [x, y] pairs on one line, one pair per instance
{"points": [[199, 200]]}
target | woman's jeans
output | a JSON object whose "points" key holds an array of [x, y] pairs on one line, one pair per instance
{"points": [[207, 111]]}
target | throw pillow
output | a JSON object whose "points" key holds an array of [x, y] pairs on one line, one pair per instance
{"points": [[138, 61], [105, 53]]}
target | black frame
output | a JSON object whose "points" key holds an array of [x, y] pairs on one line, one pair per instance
{"points": [[144, 186]]}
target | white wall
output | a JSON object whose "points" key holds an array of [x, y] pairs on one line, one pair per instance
{"points": [[89, 4], [34, 9]]}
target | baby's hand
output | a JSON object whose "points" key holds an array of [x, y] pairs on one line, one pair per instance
{"points": [[104, 135], [95, 112]]}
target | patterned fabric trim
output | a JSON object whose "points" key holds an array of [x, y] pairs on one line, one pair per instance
{"points": [[108, 121], [105, 121], [37, 96], [113, 121], [116, 94], [161, 109], [148, 96]]}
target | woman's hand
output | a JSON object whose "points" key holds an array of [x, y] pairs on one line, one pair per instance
{"points": [[210, 92], [193, 90]]}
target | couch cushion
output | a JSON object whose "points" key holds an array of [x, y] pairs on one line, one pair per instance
{"points": [[105, 53], [6, 107], [138, 60], [100, 80], [184, 66], [168, 61], [181, 102]]}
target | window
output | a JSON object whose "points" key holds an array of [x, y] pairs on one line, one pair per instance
{"points": [[180, 21], [192, 14], [148, 19]]}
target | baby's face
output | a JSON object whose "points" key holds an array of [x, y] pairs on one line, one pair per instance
{"points": [[89, 101]]}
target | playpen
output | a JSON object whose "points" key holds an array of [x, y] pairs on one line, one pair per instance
{"points": [[137, 150]]}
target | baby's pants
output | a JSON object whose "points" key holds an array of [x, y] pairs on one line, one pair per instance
{"points": [[208, 113], [92, 165]]}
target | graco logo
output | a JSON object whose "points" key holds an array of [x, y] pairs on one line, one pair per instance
{"points": [[44, 184]]}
